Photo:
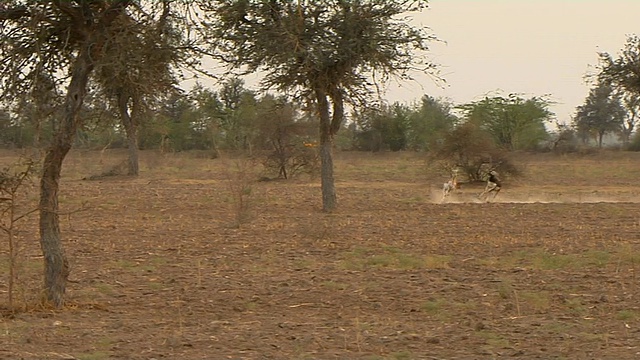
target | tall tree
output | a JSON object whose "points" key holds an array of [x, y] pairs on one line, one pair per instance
{"points": [[324, 49], [137, 68], [514, 122], [66, 41], [601, 113], [74, 35]]}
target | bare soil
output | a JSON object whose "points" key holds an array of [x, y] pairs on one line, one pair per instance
{"points": [[160, 269]]}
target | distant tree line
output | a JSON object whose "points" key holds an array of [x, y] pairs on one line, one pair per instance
{"points": [[234, 118]]}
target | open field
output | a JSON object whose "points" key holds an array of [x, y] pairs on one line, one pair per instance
{"points": [[160, 269]]}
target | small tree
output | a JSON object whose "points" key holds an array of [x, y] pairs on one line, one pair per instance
{"points": [[631, 104], [238, 116], [285, 138], [138, 68], [207, 112], [564, 139]]}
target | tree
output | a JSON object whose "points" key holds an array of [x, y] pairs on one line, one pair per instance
{"points": [[66, 41], [428, 123], [207, 112], [237, 119], [601, 113], [37, 111], [75, 35], [563, 139], [623, 75], [324, 50], [177, 124], [289, 151], [515, 123], [136, 69]]}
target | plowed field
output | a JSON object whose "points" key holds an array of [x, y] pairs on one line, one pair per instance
{"points": [[162, 270]]}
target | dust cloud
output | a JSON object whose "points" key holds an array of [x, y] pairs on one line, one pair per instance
{"points": [[541, 197]]}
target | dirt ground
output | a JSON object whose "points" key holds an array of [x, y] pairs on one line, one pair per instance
{"points": [[548, 270]]}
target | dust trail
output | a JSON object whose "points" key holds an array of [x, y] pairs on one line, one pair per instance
{"points": [[540, 198]]}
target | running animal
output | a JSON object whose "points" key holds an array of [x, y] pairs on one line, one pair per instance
{"points": [[493, 185], [449, 186]]}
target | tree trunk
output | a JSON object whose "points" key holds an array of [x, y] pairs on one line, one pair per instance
{"points": [[329, 198], [131, 128], [600, 136], [56, 265]]}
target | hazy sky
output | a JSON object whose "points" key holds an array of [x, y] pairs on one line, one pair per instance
{"points": [[534, 47]]}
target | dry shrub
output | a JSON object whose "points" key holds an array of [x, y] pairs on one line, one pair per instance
{"points": [[15, 183], [242, 173], [291, 160], [471, 151]]}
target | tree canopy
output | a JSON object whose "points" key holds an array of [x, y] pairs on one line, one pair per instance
{"points": [[514, 122]]}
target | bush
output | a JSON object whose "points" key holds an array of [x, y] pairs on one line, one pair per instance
{"points": [[473, 152], [289, 160]]}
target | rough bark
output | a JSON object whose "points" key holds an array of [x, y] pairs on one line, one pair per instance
{"points": [[329, 198], [131, 129], [56, 265]]}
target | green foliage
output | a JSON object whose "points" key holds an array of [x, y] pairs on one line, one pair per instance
{"points": [[171, 129], [382, 127], [623, 71], [428, 123], [400, 127], [11, 133], [514, 123], [237, 118]]}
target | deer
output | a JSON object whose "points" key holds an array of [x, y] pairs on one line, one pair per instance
{"points": [[450, 186], [493, 185]]}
